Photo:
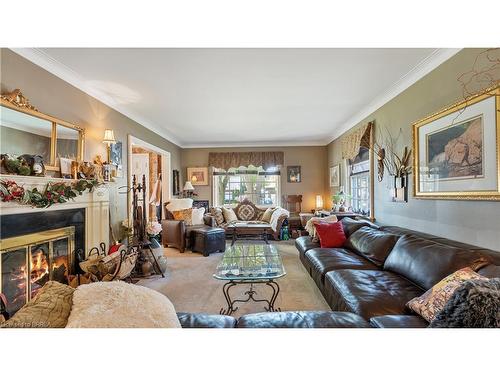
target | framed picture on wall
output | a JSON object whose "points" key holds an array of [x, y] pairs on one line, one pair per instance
{"points": [[293, 174], [198, 176], [457, 150], [335, 176]]}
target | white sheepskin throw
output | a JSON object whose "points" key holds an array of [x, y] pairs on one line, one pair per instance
{"points": [[277, 213], [311, 229], [120, 305]]}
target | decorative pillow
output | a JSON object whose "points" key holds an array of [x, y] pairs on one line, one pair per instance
{"points": [[229, 215], [217, 213], [185, 215], [197, 218], [246, 210], [330, 234], [117, 304], [429, 304], [475, 304], [49, 309], [312, 230], [266, 216]]}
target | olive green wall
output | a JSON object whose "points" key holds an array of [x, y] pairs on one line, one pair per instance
{"points": [[473, 222], [58, 98], [312, 160]]}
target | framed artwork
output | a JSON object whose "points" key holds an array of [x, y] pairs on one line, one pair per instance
{"points": [[457, 150], [115, 153], [201, 203], [175, 182], [335, 175], [293, 174], [198, 176]]}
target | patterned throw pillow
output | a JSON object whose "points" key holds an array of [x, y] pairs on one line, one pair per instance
{"points": [[246, 211], [229, 215], [217, 213], [185, 215], [429, 304]]}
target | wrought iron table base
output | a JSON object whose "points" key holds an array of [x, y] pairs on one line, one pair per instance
{"points": [[231, 308]]}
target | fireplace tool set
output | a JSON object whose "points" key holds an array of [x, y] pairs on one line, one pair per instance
{"points": [[125, 262]]}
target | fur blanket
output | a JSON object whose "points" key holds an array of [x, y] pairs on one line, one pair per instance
{"points": [[311, 229], [475, 304]]}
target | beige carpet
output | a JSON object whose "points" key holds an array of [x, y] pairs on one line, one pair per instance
{"points": [[191, 288]]}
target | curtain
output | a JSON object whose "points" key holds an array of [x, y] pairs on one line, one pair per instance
{"points": [[353, 141], [226, 160]]}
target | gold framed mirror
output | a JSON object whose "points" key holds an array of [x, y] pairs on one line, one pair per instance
{"points": [[25, 130]]}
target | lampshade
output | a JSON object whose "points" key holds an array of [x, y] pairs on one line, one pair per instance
{"points": [[188, 186], [319, 201], [109, 137]]}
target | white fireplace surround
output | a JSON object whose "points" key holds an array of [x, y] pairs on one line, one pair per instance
{"points": [[96, 206]]}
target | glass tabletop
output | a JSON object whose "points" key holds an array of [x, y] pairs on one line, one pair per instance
{"points": [[250, 262]]}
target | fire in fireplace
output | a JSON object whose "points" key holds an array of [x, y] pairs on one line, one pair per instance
{"points": [[28, 262]]}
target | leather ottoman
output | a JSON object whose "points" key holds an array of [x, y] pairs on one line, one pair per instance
{"points": [[208, 240]]}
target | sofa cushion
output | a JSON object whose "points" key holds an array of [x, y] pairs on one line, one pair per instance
{"points": [[302, 319], [426, 262], [266, 216], [190, 320], [369, 292], [330, 234], [371, 243], [324, 260], [184, 215], [398, 321], [352, 225], [304, 244], [429, 304]]}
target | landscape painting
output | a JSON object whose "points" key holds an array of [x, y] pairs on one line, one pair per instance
{"points": [[456, 152]]}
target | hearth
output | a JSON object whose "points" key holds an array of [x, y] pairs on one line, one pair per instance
{"points": [[35, 248]]}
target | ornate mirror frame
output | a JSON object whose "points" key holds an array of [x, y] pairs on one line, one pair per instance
{"points": [[17, 101]]}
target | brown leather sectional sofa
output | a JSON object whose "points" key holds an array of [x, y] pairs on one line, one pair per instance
{"points": [[380, 269]]}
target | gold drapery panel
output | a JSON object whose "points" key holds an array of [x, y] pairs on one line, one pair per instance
{"points": [[353, 141], [226, 160]]}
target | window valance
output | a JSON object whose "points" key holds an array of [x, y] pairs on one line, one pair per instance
{"points": [[353, 141], [226, 160]]}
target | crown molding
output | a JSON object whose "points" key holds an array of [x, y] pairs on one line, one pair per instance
{"points": [[424, 67], [62, 71], [40, 58]]}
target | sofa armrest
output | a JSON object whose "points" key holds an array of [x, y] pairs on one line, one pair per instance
{"points": [[189, 320], [209, 220], [398, 321], [173, 233], [279, 224]]}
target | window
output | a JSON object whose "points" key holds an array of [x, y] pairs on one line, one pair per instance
{"points": [[259, 186], [359, 182]]}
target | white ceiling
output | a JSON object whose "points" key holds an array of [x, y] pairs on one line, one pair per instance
{"points": [[238, 97]]}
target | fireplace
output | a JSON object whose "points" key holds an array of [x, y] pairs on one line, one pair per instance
{"points": [[35, 248]]}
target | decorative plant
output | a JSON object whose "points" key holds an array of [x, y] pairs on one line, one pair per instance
{"points": [[389, 159]]}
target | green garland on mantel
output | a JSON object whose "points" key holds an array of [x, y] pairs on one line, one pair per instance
{"points": [[54, 192]]}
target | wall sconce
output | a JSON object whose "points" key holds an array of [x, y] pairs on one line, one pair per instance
{"points": [[109, 139], [319, 202]]}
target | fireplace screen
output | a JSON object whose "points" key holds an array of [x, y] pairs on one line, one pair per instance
{"points": [[28, 262]]}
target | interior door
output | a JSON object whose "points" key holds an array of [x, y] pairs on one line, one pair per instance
{"points": [[140, 167]]}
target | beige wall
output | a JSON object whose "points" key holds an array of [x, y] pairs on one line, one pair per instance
{"points": [[58, 98], [311, 159], [469, 221]]}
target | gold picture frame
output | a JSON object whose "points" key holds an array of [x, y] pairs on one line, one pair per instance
{"points": [[457, 150], [198, 176], [16, 101]]}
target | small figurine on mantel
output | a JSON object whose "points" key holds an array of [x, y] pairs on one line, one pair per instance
{"points": [[24, 165]]}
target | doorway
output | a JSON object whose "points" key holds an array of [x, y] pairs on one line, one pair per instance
{"points": [[145, 159]]}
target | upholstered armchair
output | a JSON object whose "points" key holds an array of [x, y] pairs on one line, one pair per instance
{"points": [[177, 233]]}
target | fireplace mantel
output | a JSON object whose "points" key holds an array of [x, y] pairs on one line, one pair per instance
{"points": [[96, 206]]}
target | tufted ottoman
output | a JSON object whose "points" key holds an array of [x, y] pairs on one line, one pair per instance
{"points": [[207, 240]]}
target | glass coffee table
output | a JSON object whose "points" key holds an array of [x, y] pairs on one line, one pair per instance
{"points": [[250, 263]]}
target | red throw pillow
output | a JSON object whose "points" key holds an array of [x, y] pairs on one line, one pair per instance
{"points": [[330, 234]]}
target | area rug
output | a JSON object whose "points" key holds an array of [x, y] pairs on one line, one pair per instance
{"points": [[189, 284]]}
